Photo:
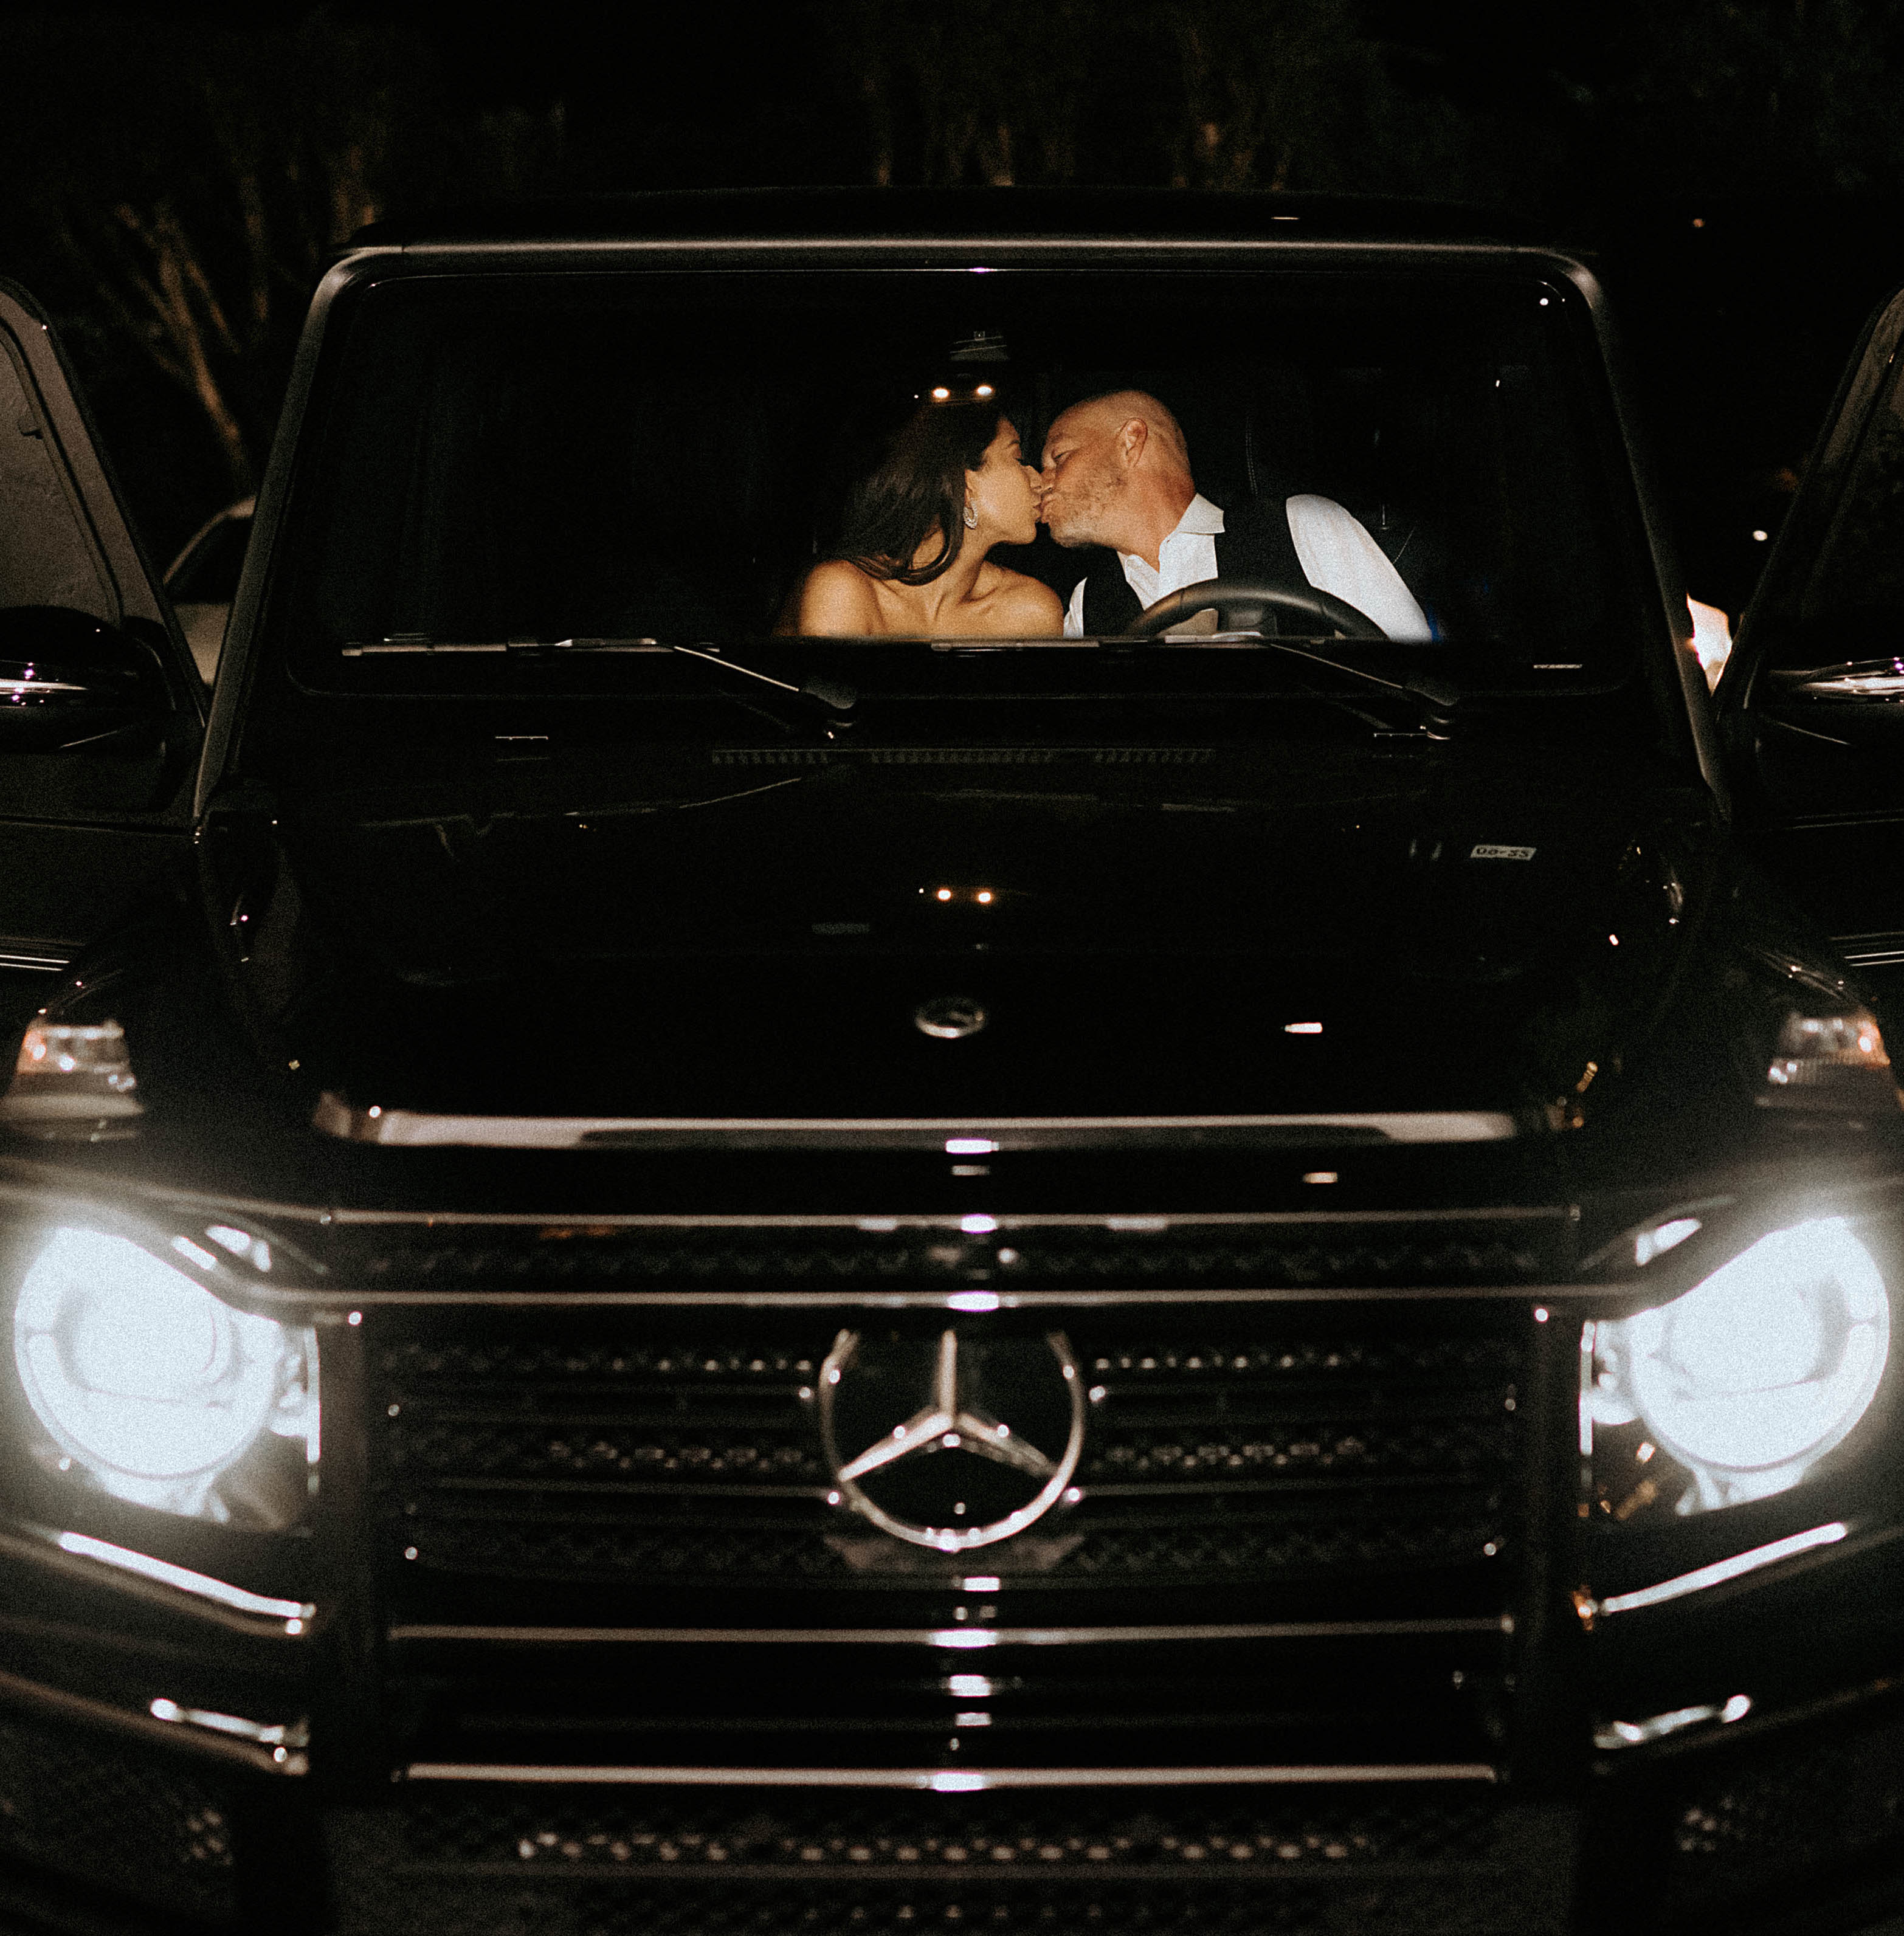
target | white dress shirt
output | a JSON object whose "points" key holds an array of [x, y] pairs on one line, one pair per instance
{"points": [[1335, 553]]}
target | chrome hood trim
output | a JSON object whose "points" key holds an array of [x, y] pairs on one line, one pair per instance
{"points": [[946, 1781], [952, 1135]]}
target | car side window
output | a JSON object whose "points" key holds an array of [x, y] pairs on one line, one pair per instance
{"points": [[1859, 574], [208, 573]]}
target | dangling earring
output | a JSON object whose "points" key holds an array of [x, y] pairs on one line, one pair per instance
{"points": [[971, 518]]}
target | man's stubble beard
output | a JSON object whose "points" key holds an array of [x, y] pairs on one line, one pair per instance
{"points": [[1085, 524]]}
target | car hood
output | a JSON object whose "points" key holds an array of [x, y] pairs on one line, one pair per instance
{"points": [[1424, 933]]}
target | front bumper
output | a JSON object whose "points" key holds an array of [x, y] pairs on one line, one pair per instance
{"points": [[1377, 1731], [1797, 1831]]}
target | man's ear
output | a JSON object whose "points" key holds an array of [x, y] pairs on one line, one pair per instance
{"points": [[1132, 437]]}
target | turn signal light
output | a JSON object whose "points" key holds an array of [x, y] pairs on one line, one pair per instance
{"points": [[1830, 1062], [72, 1081]]}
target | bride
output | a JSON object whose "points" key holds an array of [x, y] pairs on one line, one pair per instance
{"points": [[912, 562]]}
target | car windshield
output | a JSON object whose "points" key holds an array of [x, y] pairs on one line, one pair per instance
{"points": [[536, 489]]}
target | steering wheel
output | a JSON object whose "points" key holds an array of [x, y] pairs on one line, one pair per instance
{"points": [[1241, 605]]}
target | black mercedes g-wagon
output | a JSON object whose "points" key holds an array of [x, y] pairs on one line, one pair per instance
{"points": [[1232, 1274]]}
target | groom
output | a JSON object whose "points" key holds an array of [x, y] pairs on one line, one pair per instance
{"points": [[1116, 473]]}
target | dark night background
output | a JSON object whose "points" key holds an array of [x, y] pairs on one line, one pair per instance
{"points": [[172, 180]]}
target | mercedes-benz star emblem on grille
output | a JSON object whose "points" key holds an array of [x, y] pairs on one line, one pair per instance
{"points": [[950, 1017], [951, 1442]]}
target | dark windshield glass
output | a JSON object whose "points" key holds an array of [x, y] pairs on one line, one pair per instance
{"points": [[667, 457], [556, 510]]}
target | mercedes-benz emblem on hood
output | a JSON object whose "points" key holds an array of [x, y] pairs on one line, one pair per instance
{"points": [[950, 1017], [951, 1441]]}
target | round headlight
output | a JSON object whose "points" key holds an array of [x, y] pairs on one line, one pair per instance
{"points": [[1756, 1373], [140, 1373]]}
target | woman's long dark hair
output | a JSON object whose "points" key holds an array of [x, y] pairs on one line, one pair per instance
{"points": [[918, 488]]}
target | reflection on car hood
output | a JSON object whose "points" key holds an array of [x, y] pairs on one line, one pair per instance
{"points": [[1369, 934]]}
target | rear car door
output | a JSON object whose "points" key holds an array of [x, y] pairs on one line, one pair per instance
{"points": [[1811, 704], [101, 711]]}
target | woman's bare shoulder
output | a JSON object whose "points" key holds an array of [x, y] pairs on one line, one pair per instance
{"points": [[838, 601], [1024, 604]]}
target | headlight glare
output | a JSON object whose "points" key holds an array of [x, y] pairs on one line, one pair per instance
{"points": [[1745, 1382], [164, 1393]]}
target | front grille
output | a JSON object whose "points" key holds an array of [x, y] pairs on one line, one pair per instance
{"points": [[115, 1818], [1275, 1443], [1403, 1861], [1183, 1555], [1298, 1254], [1788, 1814], [1050, 1909], [883, 1838], [616, 1538]]}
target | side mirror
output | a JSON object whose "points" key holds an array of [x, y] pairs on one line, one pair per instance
{"points": [[67, 677]]}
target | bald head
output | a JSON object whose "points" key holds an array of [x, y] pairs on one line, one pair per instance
{"points": [[1116, 472], [1110, 413]]}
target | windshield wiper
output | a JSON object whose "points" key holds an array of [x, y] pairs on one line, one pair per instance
{"points": [[835, 695], [1434, 699]]}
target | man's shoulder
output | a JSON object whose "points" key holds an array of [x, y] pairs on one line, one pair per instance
{"points": [[1304, 512], [1311, 507]]}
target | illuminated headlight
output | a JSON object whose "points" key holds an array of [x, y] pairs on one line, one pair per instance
{"points": [[1736, 1390], [161, 1393]]}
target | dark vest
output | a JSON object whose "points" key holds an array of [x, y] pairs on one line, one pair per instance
{"points": [[1255, 543]]}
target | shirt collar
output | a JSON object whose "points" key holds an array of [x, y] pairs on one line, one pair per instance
{"points": [[1201, 519]]}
